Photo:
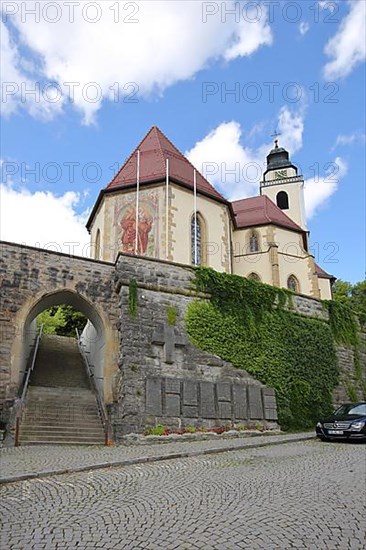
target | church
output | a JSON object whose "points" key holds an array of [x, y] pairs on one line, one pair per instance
{"points": [[159, 206]]}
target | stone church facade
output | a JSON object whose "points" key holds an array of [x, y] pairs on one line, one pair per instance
{"points": [[146, 369], [182, 218]]}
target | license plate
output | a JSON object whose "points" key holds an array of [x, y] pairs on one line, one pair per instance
{"points": [[335, 432]]}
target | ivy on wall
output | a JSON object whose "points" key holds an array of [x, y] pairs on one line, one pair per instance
{"points": [[171, 315], [132, 298], [343, 322], [251, 325], [346, 331]]}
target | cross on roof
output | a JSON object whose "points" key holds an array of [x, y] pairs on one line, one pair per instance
{"points": [[275, 135], [165, 336]]}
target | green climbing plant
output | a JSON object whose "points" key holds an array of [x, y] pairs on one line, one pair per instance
{"points": [[171, 315], [132, 298], [253, 326]]}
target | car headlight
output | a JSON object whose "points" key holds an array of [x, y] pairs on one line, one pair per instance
{"points": [[319, 425], [357, 425]]}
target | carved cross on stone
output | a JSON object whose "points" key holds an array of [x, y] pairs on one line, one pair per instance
{"points": [[166, 336]]}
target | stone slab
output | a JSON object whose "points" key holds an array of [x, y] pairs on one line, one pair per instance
{"points": [[190, 412], [240, 401], [255, 402], [269, 402], [223, 391], [172, 385], [154, 397], [172, 405], [208, 408], [225, 410], [190, 393]]}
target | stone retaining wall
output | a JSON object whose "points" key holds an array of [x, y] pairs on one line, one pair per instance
{"points": [[152, 373]]}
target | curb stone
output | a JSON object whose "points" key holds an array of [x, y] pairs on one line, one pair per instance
{"points": [[151, 459]]}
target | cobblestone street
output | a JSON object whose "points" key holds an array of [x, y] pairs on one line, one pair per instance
{"points": [[299, 495]]}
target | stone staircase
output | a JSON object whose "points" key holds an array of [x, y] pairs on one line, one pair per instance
{"points": [[60, 404]]}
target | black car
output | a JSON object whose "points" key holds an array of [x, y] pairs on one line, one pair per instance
{"points": [[347, 422]]}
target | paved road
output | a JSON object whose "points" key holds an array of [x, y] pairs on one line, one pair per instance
{"points": [[34, 460], [300, 495]]}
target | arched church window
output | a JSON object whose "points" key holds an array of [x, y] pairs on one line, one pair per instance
{"points": [[282, 200], [254, 277], [293, 284], [97, 246], [254, 242], [197, 239]]}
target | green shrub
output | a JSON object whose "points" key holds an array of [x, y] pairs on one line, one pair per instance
{"points": [[156, 430], [248, 324]]}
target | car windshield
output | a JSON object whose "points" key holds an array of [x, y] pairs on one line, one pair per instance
{"points": [[359, 410]]}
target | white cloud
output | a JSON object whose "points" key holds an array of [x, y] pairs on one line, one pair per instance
{"points": [[347, 48], [169, 42], [319, 189], [250, 37], [327, 5], [304, 27], [349, 139], [234, 168], [43, 218], [15, 82]]}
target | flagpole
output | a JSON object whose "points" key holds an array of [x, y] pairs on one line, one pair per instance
{"points": [[195, 215], [167, 211], [137, 201], [229, 245]]}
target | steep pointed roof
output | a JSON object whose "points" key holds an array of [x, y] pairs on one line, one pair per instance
{"points": [[261, 211], [154, 149]]}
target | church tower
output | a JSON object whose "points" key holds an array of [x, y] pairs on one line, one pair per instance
{"points": [[284, 186]]}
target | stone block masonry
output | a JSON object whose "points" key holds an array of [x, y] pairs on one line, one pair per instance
{"points": [[151, 372], [164, 379], [194, 401]]}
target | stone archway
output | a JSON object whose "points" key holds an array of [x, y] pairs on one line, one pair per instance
{"points": [[98, 337]]}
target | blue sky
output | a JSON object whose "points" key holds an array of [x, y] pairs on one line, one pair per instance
{"points": [[303, 61]]}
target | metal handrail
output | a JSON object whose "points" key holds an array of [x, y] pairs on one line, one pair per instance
{"points": [[20, 403], [102, 408]]}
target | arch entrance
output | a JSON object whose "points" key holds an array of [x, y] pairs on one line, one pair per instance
{"points": [[97, 339]]}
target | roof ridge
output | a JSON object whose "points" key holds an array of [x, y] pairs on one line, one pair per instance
{"points": [[158, 132], [130, 156], [189, 162], [165, 149]]}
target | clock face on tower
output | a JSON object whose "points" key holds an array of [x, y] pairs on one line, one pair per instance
{"points": [[279, 174]]}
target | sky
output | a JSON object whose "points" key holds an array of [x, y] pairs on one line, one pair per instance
{"points": [[83, 82]]}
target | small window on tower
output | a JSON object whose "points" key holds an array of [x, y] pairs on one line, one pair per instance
{"points": [[282, 200]]}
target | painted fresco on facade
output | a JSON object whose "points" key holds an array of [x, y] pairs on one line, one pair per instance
{"points": [[147, 220]]}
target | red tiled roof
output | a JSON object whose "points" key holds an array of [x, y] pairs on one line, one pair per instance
{"points": [[154, 149], [261, 211], [322, 274]]}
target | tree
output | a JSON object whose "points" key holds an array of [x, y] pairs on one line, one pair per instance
{"points": [[61, 320], [52, 320], [352, 294]]}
